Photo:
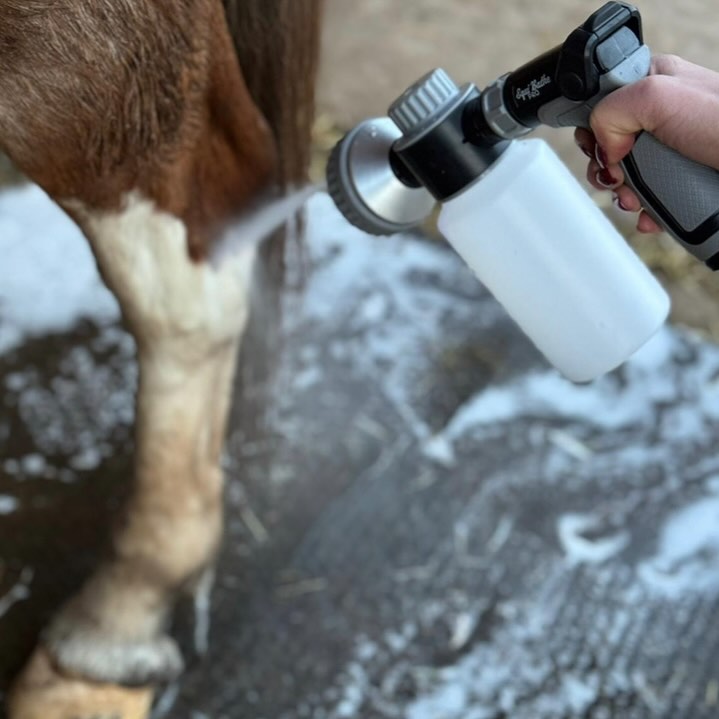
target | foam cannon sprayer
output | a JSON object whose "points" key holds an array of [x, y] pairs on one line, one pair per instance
{"points": [[513, 211]]}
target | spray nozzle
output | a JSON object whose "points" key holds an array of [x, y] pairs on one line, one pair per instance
{"points": [[387, 174], [367, 187], [368, 174]]}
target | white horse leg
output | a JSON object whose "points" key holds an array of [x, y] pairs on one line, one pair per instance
{"points": [[188, 319]]}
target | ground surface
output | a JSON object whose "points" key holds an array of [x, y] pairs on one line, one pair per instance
{"points": [[424, 521]]}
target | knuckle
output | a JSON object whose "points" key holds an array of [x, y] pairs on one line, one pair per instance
{"points": [[649, 91], [667, 64]]}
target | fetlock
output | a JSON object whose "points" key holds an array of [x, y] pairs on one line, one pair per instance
{"points": [[88, 653], [114, 631]]}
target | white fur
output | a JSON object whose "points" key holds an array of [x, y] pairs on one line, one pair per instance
{"points": [[187, 318], [105, 659], [143, 256]]}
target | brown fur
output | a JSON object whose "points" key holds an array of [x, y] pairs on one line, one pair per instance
{"points": [[155, 101], [277, 42]]}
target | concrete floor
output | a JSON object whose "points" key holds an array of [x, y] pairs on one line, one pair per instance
{"points": [[424, 520]]}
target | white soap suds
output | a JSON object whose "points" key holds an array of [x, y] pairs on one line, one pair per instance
{"points": [[687, 550], [579, 549], [48, 276], [8, 504]]}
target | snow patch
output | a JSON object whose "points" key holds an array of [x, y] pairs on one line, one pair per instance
{"points": [[579, 549], [8, 504], [687, 556], [19, 592], [48, 276]]}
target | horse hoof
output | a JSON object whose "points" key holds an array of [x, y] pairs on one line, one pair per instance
{"points": [[42, 692]]}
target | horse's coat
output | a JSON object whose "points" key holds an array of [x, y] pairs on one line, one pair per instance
{"points": [[138, 119]]}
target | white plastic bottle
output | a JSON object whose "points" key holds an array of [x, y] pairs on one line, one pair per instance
{"points": [[543, 248], [514, 213]]}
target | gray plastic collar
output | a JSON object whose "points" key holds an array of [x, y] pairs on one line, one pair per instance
{"points": [[424, 101], [496, 114]]}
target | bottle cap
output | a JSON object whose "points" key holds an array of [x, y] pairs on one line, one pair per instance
{"points": [[424, 100]]}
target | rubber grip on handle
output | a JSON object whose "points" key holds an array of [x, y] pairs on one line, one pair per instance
{"points": [[678, 193]]}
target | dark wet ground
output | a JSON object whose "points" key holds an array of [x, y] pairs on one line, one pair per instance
{"points": [[423, 521]]}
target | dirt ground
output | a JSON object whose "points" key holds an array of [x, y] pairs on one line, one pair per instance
{"points": [[423, 520], [375, 48]]}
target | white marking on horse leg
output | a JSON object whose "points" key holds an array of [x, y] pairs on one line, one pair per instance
{"points": [[188, 319], [102, 656]]}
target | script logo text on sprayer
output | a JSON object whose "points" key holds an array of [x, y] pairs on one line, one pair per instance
{"points": [[532, 90]]}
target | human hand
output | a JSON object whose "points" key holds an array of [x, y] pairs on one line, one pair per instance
{"points": [[678, 103]]}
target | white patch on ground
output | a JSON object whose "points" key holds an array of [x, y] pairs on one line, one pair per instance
{"points": [[490, 677], [687, 551], [8, 504], [548, 394], [19, 592], [33, 465], [48, 277], [76, 413], [579, 549], [355, 682]]}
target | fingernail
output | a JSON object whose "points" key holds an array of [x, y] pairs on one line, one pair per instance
{"points": [[600, 155], [605, 179], [584, 148], [618, 203]]}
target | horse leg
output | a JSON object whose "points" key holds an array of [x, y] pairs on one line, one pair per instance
{"points": [[164, 146], [187, 317], [192, 319], [113, 630]]}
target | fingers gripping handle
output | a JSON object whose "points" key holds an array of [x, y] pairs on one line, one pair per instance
{"points": [[680, 194]]}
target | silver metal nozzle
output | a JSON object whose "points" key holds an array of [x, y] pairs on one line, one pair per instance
{"points": [[364, 187]]}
